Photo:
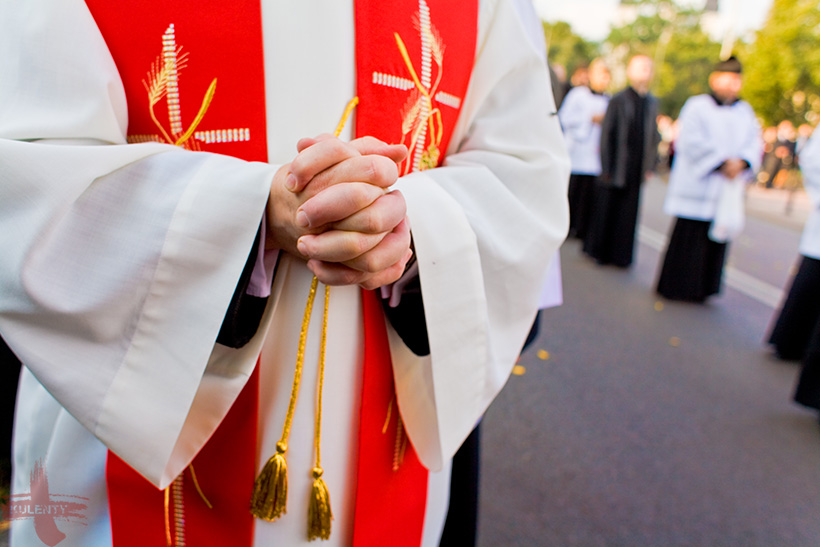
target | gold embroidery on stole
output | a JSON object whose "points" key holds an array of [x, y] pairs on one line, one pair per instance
{"points": [[421, 117], [163, 83]]}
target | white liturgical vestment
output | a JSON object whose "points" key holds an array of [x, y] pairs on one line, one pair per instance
{"points": [[120, 260]]}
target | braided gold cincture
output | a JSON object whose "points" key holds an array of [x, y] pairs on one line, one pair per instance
{"points": [[269, 500]]}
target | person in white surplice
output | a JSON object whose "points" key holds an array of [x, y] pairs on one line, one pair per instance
{"points": [[121, 260], [718, 150]]}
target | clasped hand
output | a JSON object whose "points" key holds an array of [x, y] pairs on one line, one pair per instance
{"points": [[331, 206], [733, 167]]}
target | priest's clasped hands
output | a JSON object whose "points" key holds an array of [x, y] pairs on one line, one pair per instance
{"points": [[331, 206]]}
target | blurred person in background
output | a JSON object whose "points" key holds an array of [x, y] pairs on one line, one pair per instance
{"points": [[629, 151], [796, 332], [806, 284], [581, 115], [718, 145], [785, 151]]}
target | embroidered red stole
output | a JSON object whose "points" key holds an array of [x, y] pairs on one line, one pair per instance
{"points": [[194, 77], [414, 60]]}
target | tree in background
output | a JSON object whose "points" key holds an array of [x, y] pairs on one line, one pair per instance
{"points": [[782, 75], [672, 35], [567, 48]]}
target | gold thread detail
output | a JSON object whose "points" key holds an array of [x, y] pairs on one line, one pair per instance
{"points": [[167, 498], [198, 489]]}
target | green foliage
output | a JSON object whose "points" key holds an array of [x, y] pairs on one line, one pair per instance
{"points": [[671, 35], [782, 76], [684, 71], [567, 48]]}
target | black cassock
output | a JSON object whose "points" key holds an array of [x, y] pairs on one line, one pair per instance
{"points": [[796, 333], [629, 143]]}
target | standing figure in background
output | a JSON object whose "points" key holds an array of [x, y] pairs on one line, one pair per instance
{"points": [[581, 115], [769, 163], [807, 280], [629, 150], [719, 144], [796, 333], [785, 150], [558, 80]]}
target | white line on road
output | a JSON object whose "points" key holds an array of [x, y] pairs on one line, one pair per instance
{"points": [[742, 282]]}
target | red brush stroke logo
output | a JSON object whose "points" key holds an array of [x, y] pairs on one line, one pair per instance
{"points": [[47, 508]]}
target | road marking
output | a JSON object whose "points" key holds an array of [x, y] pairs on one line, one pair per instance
{"points": [[742, 282]]}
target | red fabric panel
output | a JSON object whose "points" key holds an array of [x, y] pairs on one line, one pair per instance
{"points": [[389, 504], [210, 39], [221, 40], [441, 35], [383, 108], [138, 508]]}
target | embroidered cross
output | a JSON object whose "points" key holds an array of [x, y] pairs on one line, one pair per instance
{"points": [[163, 82], [421, 117]]}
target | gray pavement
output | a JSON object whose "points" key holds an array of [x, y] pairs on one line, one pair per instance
{"points": [[655, 423]]}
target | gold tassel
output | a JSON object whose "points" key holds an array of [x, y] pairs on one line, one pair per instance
{"points": [[270, 491], [319, 513]]}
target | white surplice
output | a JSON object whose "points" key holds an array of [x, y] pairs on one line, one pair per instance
{"points": [[119, 262], [583, 136], [810, 167], [709, 135]]}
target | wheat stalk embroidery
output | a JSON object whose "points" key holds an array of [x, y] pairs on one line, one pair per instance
{"points": [[162, 83], [421, 115]]}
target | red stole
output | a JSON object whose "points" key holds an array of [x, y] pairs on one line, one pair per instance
{"points": [[194, 77], [413, 60]]}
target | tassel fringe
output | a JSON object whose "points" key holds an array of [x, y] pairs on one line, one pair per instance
{"points": [[319, 513], [270, 491]]}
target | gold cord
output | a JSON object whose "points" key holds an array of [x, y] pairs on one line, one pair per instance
{"points": [[319, 512], [270, 492], [167, 494], [198, 489], [348, 109], [269, 500]]}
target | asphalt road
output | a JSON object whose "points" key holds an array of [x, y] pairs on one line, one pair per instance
{"points": [[654, 423]]}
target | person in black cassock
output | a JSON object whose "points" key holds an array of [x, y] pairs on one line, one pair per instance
{"points": [[796, 332], [629, 149], [718, 145]]}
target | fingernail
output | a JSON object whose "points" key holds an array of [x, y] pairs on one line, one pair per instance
{"points": [[301, 246], [302, 219], [290, 182]]}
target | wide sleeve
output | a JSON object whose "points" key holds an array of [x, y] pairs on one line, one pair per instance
{"points": [[119, 261], [485, 227], [575, 117]]}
